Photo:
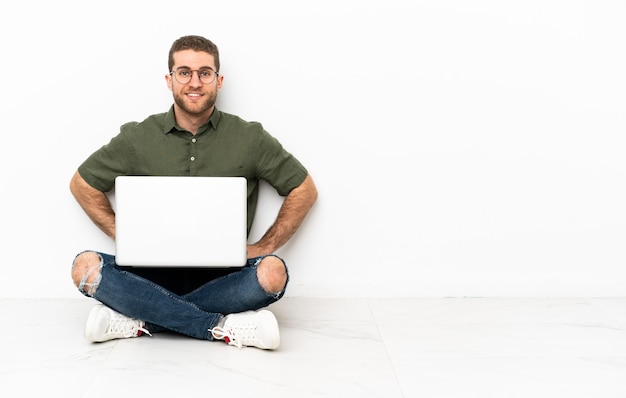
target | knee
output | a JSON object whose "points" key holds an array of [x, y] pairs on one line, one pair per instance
{"points": [[86, 271], [272, 274]]}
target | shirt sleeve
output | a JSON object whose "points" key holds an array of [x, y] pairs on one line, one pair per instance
{"points": [[277, 166], [102, 167]]}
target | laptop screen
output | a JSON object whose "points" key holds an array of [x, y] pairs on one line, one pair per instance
{"points": [[180, 221]]}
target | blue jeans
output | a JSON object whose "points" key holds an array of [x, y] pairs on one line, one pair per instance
{"points": [[192, 314]]}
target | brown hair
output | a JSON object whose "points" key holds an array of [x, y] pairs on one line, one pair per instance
{"points": [[196, 43]]}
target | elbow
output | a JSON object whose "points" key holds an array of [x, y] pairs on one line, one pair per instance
{"points": [[311, 190], [74, 183], [313, 194]]}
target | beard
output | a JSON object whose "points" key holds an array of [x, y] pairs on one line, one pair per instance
{"points": [[196, 108]]}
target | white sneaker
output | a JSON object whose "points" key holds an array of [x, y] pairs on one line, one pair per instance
{"points": [[105, 324], [250, 328]]}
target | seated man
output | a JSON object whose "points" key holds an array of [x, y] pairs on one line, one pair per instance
{"points": [[193, 138]]}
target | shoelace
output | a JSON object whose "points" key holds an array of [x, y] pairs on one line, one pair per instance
{"points": [[244, 335], [125, 326]]}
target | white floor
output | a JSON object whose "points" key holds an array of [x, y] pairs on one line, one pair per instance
{"points": [[334, 348]]}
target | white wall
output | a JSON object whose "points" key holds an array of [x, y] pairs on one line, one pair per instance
{"points": [[461, 148]]}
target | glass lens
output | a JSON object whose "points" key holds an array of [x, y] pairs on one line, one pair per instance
{"points": [[206, 75]]}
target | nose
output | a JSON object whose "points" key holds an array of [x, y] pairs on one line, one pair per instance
{"points": [[195, 78]]}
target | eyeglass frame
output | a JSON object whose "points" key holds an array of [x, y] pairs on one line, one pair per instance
{"points": [[174, 75]]}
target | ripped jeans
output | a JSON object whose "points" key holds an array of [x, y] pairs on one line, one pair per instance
{"points": [[192, 314]]}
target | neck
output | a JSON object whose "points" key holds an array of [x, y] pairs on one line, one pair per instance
{"points": [[191, 122]]}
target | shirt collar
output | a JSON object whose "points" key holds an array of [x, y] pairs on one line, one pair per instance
{"points": [[170, 121]]}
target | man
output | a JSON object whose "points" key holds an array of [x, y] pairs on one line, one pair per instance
{"points": [[193, 138]]}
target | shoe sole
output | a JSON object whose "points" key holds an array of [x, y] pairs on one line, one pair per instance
{"points": [[270, 320], [92, 321]]}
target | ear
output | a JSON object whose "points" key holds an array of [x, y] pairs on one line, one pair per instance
{"points": [[220, 80], [168, 80]]}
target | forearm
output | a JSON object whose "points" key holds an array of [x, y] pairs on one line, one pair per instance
{"points": [[290, 216], [95, 204]]}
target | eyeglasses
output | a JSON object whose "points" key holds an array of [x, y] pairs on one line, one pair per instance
{"points": [[183, 75]]}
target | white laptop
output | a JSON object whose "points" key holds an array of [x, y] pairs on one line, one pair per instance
{"points": [[180, 221]]}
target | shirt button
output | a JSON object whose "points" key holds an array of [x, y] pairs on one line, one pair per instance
{"points": [[193, 158], [193, 140]]}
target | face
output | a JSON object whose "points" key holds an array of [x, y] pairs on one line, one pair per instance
{"points": [[195, 98]]}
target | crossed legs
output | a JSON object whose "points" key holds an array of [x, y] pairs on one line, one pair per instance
{"points": [[256, 285]]}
